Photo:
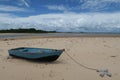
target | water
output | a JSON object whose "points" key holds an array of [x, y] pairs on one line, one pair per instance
{"points": [[23, 35]]}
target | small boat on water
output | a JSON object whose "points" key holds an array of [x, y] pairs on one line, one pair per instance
{"points": [[36, 53]]}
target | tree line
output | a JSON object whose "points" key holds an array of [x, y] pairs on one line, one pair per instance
{"points": [[27, 30]]}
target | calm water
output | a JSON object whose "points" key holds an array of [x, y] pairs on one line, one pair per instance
{"points": [[22, 35]]}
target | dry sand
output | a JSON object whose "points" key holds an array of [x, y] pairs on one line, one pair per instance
{"points": [[95, 52]]}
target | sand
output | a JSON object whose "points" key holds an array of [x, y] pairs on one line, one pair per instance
{"points": [[94, 52]]}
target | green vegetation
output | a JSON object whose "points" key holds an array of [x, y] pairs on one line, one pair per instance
{"points": [[21, 30]]}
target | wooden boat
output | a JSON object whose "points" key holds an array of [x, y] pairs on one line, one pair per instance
{"points": [[36, 53]]}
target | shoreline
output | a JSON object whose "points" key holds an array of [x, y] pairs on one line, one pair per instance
{"points": [[16, 36]]}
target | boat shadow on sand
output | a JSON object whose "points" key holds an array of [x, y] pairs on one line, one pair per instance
{"points": [[38, 61]]}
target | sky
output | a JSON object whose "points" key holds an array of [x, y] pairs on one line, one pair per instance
{"points": [[61, 15]]}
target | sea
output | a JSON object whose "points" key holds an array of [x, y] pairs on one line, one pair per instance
{"points": [[25, 35]]}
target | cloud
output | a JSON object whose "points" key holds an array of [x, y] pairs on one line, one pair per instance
{"points": [[65, 22], [89, 5], [24, 2], [21, 3], [6, 15], [96, 5], [7, 8]]}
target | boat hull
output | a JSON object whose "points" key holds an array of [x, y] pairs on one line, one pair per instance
{"points": [[34, 54]]}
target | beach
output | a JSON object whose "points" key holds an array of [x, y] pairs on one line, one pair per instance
{"points": [[94, 52]]}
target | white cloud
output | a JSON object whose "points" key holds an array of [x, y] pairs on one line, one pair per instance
{"points": [[97, 4], [6, 15], [24, 2], [65, 22], [91, 5], [11, 8], [21, 3]]}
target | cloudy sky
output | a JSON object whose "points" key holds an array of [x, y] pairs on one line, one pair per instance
{"points": [[61, 15]]}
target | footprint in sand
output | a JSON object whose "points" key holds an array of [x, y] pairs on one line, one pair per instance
{"points": [[51, 74], [8, 43], [5, 40], [113, 56], [9, 58], [3, 67], [107, 46]]}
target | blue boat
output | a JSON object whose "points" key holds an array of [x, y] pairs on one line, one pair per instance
{"points": [[36, 53]]}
